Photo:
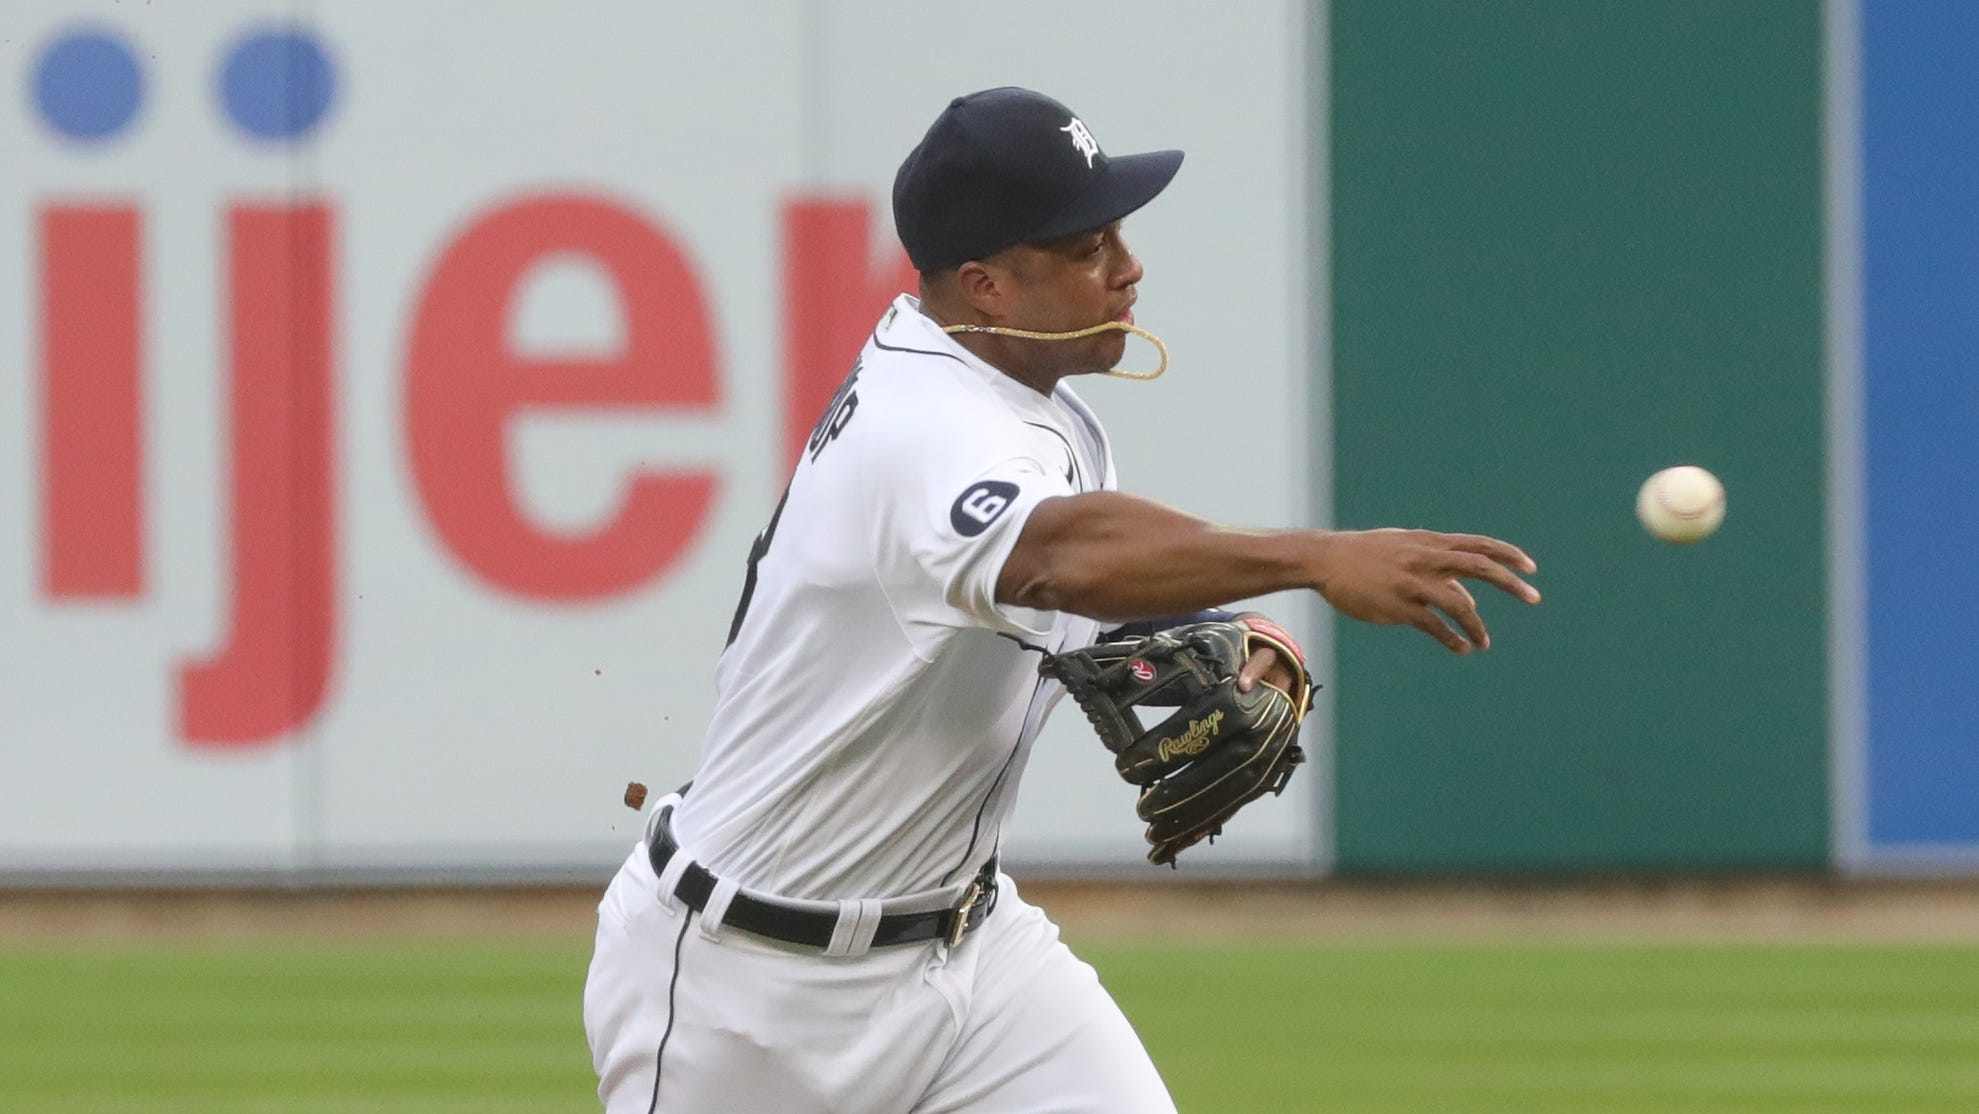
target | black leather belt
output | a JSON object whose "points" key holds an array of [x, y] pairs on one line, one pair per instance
{"points": [[814, 928]]}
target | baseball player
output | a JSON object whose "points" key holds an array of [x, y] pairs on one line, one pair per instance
{"points": [[817, 922]]}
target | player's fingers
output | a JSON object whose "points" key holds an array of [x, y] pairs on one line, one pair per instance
{"points": [[1254, 667], [1505, 553], [1429, 623], [1464, 593], [1461, 607], [1281, 677], [1478, 567]]}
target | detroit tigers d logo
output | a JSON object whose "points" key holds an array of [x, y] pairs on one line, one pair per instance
{"points": [[1082, 139]]}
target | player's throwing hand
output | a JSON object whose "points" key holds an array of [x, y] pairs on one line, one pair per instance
{"points": [[1116, 556], [1392, 577]]}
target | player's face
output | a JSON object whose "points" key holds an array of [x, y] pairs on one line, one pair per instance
{"points": [[1071, 283]]}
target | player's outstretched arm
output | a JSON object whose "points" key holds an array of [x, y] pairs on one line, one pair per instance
{"points": [[1118, 558]]}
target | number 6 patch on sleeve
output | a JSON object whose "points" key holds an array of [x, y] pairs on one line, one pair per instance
{"points": [[980, 505]]}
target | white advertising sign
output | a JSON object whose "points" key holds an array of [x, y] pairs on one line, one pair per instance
{"points": [[389, 394]]}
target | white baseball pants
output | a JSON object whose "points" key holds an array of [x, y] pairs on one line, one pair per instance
{"points": [[1009, 1022]]}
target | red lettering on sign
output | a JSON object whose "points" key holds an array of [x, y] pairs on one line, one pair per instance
{"points": [[275, 667], [91, 449], [463, 386]]}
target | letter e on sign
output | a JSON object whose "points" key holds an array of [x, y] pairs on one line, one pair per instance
{"points": [[463, 386]]}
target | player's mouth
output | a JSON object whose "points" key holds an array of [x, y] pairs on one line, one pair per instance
{"points": [[1125, 316]]}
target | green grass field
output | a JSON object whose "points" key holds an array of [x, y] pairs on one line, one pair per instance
{"points": [[491, 1028]]}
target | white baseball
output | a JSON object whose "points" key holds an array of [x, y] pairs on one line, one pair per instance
{"points": [[1681, 505]]}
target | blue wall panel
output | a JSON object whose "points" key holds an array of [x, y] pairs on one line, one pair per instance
{"points": [[1920, 202]]}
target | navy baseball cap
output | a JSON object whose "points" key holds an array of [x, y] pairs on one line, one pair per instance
{"points": [[1008, 166]]}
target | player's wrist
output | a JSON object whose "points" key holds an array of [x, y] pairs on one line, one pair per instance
{"points": [[1318, 558]]}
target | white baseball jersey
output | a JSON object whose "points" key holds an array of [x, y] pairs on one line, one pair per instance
{"points": [[876, 705]]}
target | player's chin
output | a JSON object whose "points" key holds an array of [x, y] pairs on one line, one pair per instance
{"points": [[1111, 349]]}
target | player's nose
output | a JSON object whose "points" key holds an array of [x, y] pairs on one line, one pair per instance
{"points": [[1130, 268]]}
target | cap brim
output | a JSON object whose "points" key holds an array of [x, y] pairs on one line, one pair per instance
{"points": [[1130, 182]]}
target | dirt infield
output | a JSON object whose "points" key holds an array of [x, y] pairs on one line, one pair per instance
{"points": [[1701, 910]]}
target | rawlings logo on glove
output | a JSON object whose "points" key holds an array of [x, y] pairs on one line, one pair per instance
{"points": [[1193, 741], [1219, 750]]}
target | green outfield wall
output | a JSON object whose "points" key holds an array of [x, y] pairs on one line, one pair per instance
{"points": [[1571, 244]]}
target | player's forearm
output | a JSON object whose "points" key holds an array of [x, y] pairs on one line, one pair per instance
{"points": [[1119, 558]]}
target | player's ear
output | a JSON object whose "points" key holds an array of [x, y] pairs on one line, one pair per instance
{"points": [[983, 287]]}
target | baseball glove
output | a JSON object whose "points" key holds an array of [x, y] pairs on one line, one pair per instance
{"points": [[1220, 750]]}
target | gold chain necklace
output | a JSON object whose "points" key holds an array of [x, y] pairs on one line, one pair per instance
{"points": [[1122, 326]]}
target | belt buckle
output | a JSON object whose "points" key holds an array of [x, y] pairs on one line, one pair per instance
{"points": [[960, 925]]}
